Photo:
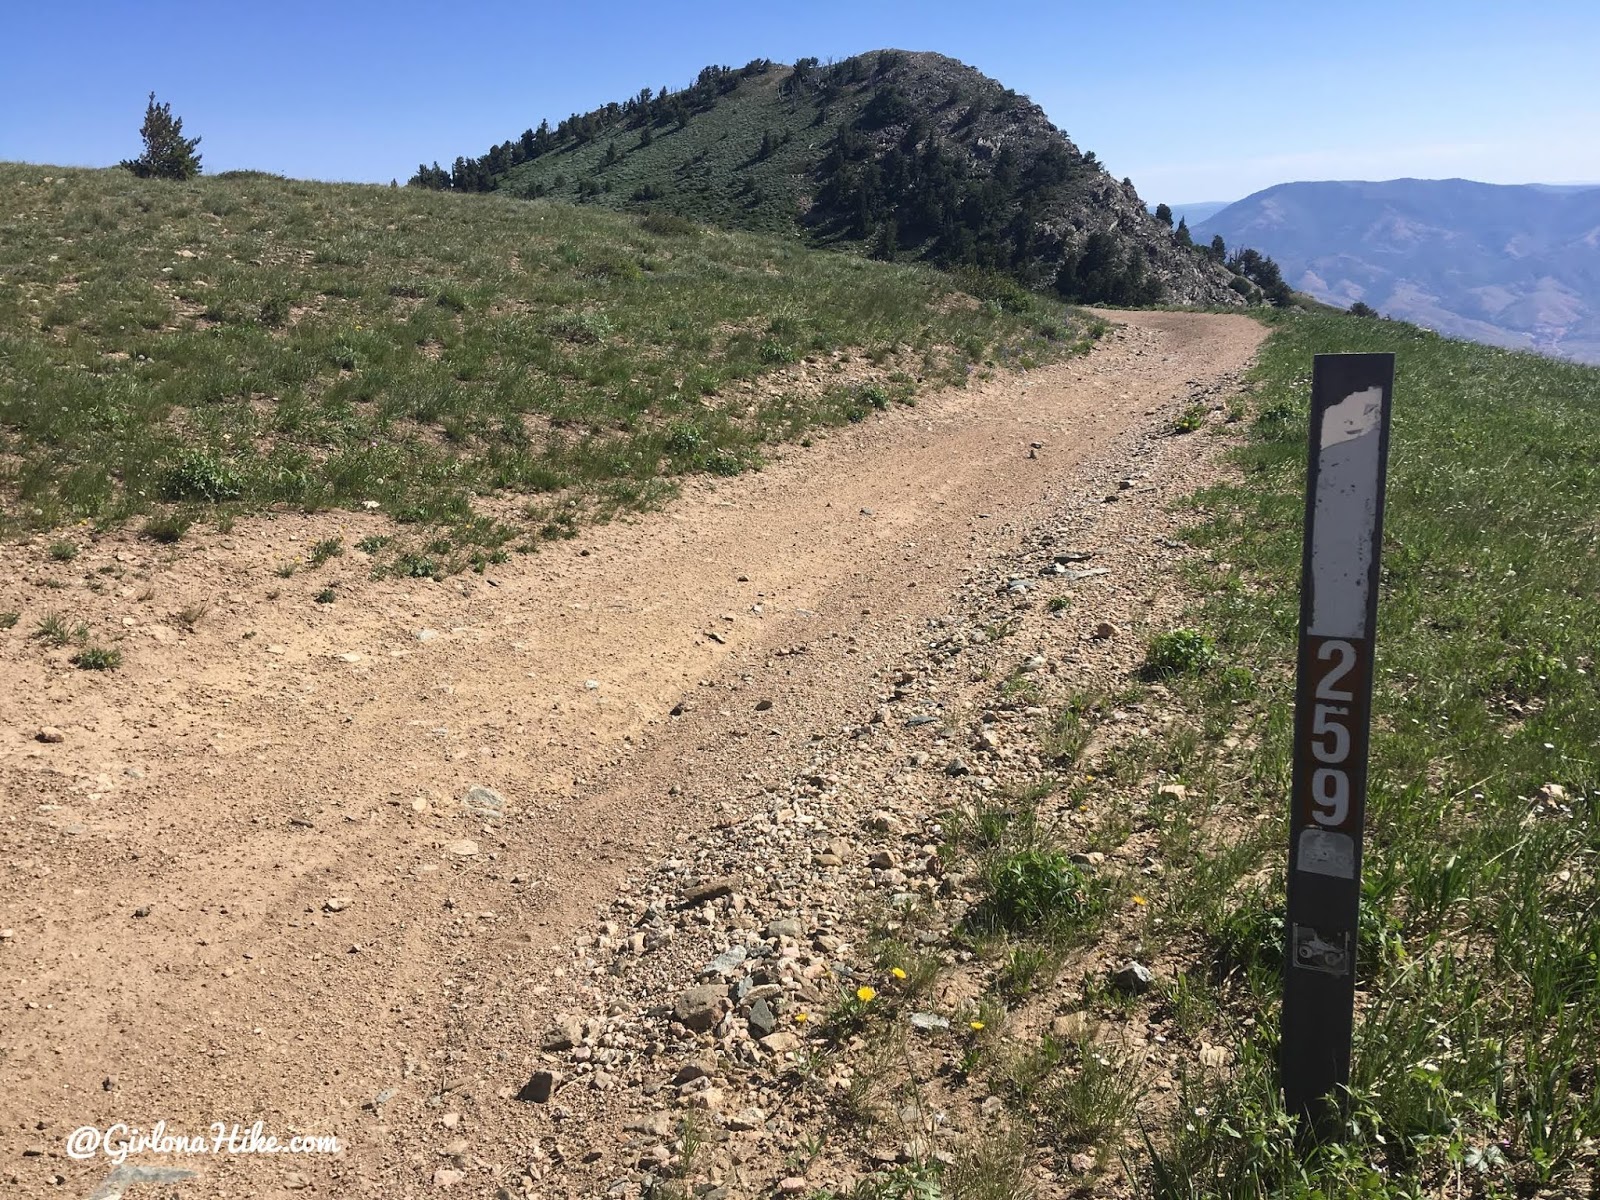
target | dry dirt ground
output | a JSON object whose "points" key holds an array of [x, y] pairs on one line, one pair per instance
{"points": [[248, 883]]}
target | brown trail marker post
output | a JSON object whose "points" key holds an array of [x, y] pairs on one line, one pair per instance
{"points": [[1349, 452]]}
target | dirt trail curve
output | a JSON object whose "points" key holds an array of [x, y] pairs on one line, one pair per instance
{"points": [[235, 889]]}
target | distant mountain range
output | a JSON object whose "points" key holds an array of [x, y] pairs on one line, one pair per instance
{"points": [[1514, 266]]}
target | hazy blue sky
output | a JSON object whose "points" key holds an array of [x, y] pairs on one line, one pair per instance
{"points": [[1195, 101]]}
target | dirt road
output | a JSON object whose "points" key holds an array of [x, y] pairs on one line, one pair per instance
{"points": [[238, 886]]}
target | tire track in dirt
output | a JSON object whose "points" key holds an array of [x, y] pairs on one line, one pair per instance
{"points": [[232, 781]]}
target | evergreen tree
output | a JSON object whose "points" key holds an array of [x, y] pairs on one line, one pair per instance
{"points": [[1164, 214], [1219, 249], [887, 243], [435, 178], [645, 136], [167, 153], [1182, 235], [1362, 309]]}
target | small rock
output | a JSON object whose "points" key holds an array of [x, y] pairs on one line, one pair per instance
{"points": [[1082, 1164], [427, 635], [564, 1035], [792, 1185], [726, 963], [539, 1087], [1552, 794], [789, 927], [484, 800], [709, 1099], [883, 860], [692, 1070], [763, 705], [763, 1020], [698, 1008], [781, 1043], [49, 734], [883, 821], [710, 889], [142, 911], [464, 848], [448, 1177], [1069, 1027], [746, 1119], [929, 1022], [1134, 977], [336, 904], [657, 1124], [1105, 631], [956, 767], [295, 1181]]}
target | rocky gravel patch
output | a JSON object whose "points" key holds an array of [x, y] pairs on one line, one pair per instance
{"points": [[701, 1042]]}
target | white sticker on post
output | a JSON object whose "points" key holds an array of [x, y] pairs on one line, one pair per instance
{"points": [[1326, 852], [1346, 508]]}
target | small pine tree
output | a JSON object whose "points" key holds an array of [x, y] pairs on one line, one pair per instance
{"points": [[1164, 214], [167, 153], [1182, 235]]}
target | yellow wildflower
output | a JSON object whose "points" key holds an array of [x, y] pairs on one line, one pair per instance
{"points": [[866, 995], [802, 1018], [1140, 900], [897, 972], [977, 1026]]}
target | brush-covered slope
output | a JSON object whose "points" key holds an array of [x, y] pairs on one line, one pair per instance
{"points": [[228, 344], [907, 155], [1512, 266]]}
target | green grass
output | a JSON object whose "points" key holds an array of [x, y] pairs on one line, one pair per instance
{"points": [[1178, 652], [1478, 1026], [195, 350], [97, 658]]}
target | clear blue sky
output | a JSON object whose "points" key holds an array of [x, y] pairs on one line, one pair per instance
{"points": [[1195, 101]]}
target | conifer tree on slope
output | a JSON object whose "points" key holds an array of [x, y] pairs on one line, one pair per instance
{"points": [[167, 153]]}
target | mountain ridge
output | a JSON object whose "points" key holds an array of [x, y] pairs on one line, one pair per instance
{"points": [[1515, 265], [901, 154]]}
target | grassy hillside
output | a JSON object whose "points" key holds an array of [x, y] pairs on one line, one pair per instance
{"points": [[235, 343], [1479, 1011], [711, 168]]}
